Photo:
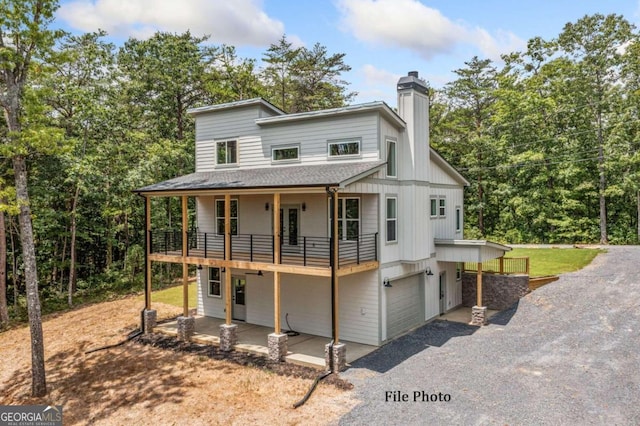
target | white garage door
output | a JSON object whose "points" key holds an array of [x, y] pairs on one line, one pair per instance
{"points": [[405, 305]]}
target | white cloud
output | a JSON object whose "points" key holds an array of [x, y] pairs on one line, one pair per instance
{"points": [[373, 76], [237, 22], [412, 25]]}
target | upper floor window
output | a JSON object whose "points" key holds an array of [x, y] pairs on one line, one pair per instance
{"points": [[348, 218], [458, 219], [220, 217], [285, 153], [344, 148], [391, 159], [227, 152], [392, 220], [434, 207], [442, 207]]}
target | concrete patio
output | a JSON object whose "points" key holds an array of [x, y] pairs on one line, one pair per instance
{"points": [[303, 349]]}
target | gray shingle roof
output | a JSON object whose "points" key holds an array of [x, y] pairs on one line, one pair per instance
{"points": [[332, 174]]}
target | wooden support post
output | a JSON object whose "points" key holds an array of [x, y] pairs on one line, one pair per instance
{"points": [[334, 269], [227, 256], [528, 262], [501, 260], [185, 267], [276, 303], [276, 256], [147, 262], [479, 285]]}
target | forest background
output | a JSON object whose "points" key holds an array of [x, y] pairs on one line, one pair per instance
{"points": [[548, 139]]}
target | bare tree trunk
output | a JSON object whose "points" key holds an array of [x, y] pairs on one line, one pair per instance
{"points": [[72, 249], [4, 311], [602, 184], [14, 267], [38, 378], [62, 258]]}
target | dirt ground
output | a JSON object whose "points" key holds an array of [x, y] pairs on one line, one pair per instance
{"points": [[143, 384]]}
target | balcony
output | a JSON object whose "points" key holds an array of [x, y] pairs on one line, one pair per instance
{"points": [[294, 250]]}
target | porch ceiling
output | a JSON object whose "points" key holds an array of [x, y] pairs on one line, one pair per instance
{"points": [[468, 250], [260, 179]]}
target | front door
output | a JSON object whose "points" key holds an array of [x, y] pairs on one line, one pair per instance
{"points": [[443, 293], [289, 225], [239, 311]]}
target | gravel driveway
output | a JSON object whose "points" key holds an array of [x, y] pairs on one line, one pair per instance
{"points": [[566, 354]]}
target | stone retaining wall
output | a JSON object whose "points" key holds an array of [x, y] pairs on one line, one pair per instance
{"points": [[498, 291]]}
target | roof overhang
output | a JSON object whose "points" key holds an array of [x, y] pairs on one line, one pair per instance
{"points": [[265, 180], [237, 104], [468, 250], [381, 107]]}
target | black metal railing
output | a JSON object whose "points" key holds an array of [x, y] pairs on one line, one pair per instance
{"points": [[299, 250]]}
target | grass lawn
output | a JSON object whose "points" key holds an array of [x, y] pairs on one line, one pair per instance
{"points": [[173, 295], [554, 261]]}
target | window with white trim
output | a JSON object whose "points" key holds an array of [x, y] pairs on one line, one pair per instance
{"points": [[347, 148], [392, 165], [214, 283], [392, 219], [459, 266], [442, 207], [348, 218], [285, 153], [227, 152], [458, 219], [434, 207], [220, 217]]}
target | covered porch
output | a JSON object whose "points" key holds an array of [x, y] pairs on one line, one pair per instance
{"points": [[302, 349], [476, 252], [263, 244]]}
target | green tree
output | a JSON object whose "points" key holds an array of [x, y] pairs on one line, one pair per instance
{"points": [[317, 82], [467, 139], [278, 74], [593, 44], [24, 35]]}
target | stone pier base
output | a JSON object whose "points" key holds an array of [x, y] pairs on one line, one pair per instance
{"points": [[339, 357], [479, 315], [150, 320], [277, 344], [228, 337], [186, 327]]}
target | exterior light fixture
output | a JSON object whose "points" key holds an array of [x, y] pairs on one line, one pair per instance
{"points": [[200, 267], [428, 271], [304, 207], [266, 207], [386, 282]]}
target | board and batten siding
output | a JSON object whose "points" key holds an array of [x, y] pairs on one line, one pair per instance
{"points": [[454, 287], [445, 227]]}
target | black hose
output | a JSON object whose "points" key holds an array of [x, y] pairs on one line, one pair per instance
{"points": [[131, 336], [311, 389], [290, 331]]}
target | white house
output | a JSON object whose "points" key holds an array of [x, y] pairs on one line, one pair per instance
{"points": [[271, 191]]}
